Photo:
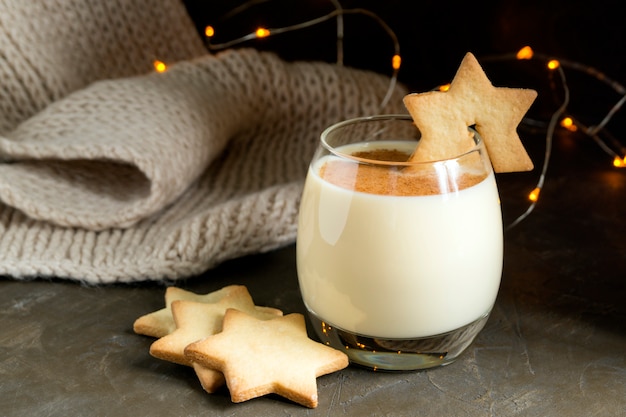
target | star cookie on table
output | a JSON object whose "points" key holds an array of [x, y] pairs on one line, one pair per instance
{"points": [[259, 357], [195, 321], [161, 323], [443, 119]]}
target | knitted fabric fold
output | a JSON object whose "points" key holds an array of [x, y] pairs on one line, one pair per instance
{"points": [[49, 48], [120, 150], [165, 175]]}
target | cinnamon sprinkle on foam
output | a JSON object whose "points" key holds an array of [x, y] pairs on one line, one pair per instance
{"points": [[392, 180]]}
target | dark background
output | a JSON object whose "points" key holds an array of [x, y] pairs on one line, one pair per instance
{"points": [[434, 36]]}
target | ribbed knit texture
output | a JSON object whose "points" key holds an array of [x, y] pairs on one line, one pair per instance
{"points": [[114, 173]]}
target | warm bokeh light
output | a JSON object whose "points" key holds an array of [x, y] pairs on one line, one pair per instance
{"points": [[262, 33], [444, 87], [619, 162], [553, 64], [525, 53], [209, 31], [159, 66], [534, 194], [568, 123], [396, 61]]}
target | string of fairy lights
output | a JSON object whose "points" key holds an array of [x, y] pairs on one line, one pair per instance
{"points": [[337, 13], [560, 118]]}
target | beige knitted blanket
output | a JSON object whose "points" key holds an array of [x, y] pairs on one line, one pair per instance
{"points": [[110, 172]]}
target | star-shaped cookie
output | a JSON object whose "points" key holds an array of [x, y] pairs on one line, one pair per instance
{"points": [[443, 118], [195, 321], [260, 357], [161, 323]]}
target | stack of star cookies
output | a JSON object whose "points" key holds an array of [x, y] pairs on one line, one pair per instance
{"points": [[227, 339]]}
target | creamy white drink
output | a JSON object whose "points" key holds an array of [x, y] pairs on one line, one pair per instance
{"points": [[399, 266], [399, 261]]}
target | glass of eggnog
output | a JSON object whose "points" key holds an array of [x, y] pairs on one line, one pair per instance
{"points": [[399, 263]]}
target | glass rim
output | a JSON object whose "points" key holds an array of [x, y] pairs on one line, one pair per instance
{"points": [[385, 117]]}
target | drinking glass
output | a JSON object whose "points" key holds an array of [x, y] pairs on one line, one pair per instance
{"points": [[399, 263]]}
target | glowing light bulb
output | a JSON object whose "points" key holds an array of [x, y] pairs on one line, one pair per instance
{"points": [[534, 194], [159, 66], [262, 33], [619, 162], [209, 31], [444, 87], [525, 53], [553, 64], [568, 123], [396, 61]]}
